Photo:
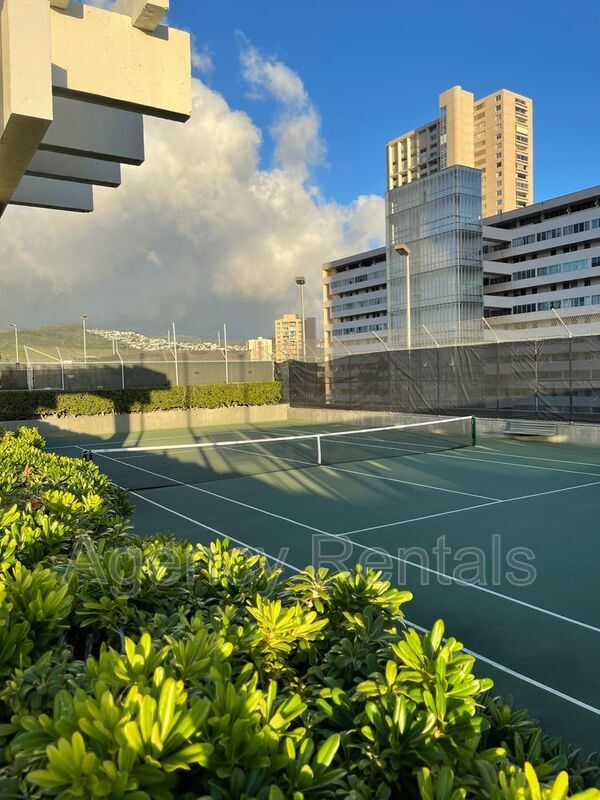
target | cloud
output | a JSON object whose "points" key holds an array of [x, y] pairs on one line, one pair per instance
{"points": [[272, 77], [201, 59], [201, 233]]}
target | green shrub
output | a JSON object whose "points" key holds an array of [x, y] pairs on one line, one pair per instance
{"points": [[151, 669], [15, 405]]}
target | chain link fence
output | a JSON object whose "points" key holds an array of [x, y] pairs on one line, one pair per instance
{"points": [[76, 358]]}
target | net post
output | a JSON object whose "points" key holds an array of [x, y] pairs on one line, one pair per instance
{"points": [[319, 457], [474, 431], [87, 455]]}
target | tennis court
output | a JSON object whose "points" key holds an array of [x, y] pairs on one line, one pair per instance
{"points": [[501, 539]]}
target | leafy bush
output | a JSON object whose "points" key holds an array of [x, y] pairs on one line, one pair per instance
{"points": [[15, 405], [150, 669]]}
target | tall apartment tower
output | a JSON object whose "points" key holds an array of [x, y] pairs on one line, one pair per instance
{"points": [[494, 135], [289, 339]]}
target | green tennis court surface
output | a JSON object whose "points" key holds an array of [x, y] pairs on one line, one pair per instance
{"points": [[500, 540]]}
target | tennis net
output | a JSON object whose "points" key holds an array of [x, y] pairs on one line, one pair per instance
{"points": [[139, 468]]}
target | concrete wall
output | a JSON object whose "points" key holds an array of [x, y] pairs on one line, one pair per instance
{"points": [[106, 425]]}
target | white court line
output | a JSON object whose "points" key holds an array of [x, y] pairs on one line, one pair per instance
{"points": [[518, 675], [410, 483], [219, 496], [469, 508], [512, 466], [507, 670], [537, 458], [395, 558], [214, 530]]}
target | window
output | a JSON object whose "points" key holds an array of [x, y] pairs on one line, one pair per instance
{"points": [[572, 266], [596, 261], [553, 269], [523, 274], [596, 223], [498, 97], [521, 240], [543, 236], [498, 164], [521, 138], [573, 302], [522, 157], [498, 108], [578, 227], [549, 305]]}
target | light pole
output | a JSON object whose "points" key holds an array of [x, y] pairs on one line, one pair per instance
{"points": [[16, 327], [83, 319], [301, 283], [404, 250]]}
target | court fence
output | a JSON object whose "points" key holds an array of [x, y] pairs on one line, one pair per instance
{"points": [[145, 372], [555, 378]]}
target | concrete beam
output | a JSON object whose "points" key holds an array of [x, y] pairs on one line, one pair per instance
{"points": [[100, 56], [92, 131], [62, 167], [59, 195], [145, 14], [25, 88]]}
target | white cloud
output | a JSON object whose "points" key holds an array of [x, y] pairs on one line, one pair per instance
{"points": [[201, 59], [200, 234], [270, 75]]}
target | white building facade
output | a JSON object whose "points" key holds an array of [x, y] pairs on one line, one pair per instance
{"points": [[355, 300], [543, 257]]}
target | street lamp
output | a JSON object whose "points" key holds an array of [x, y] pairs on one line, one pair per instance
{"points": [[300, 281], [404, 250], [16, 327], [83, 319]]}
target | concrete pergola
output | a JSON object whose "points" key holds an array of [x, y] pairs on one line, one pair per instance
{"points": [[75, 84]]}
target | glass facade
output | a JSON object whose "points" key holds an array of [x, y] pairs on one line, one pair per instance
{"points": [[438, 219]]}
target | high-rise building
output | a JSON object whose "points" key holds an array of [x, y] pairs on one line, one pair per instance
{"points": [[494, 134], [289, 341], [260, 349], [543, 258], [355, 300], [434, 258], [541, 270]]}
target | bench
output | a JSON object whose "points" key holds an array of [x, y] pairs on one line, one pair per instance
{"points": [[530, 428]]}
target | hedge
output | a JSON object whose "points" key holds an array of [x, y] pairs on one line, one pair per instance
{"points": [[15, 405], [156, 669]]}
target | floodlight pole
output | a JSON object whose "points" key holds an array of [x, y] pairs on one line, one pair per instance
{"points": [[404, 250], [83, 322], [226, 354], [175, 356], [16, 327], [300, 281]]}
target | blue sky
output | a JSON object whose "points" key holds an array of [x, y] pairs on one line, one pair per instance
{"points": [[281, 167], [374, 70]]}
